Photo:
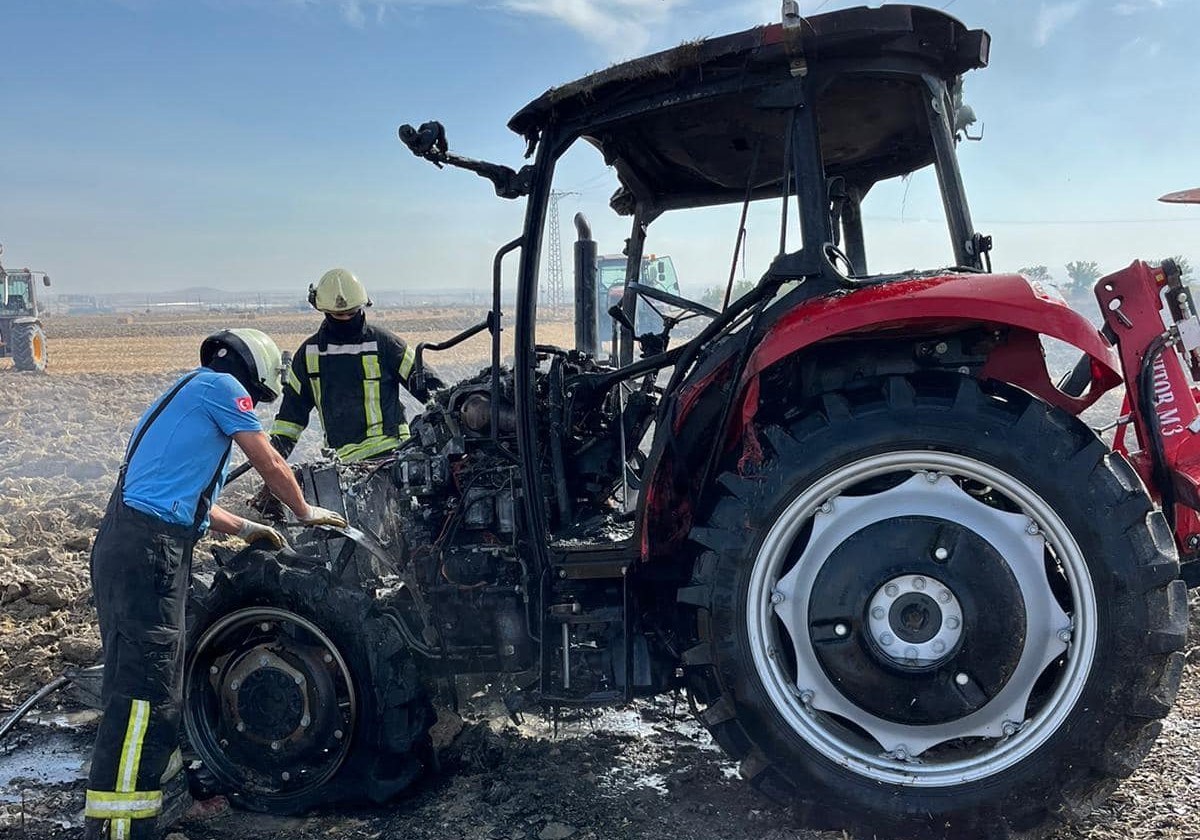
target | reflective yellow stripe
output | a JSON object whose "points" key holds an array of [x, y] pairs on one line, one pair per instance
{"points": [[371, 365], [312, 363], [285, 429], [119, 828], [406, 364], [370, 447], [138, 804], [293, 381], [131, 750], [371, 402]]}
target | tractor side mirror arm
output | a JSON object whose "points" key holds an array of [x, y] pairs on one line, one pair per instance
{"points": [[429, 142]]}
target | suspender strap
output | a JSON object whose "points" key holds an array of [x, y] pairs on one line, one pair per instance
{"points": [[150, 420], [205, 502]]}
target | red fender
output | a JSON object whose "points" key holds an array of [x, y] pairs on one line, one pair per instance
{"points": [[951, 302], [921, 306]]}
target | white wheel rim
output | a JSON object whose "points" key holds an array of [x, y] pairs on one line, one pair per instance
{"points": [[805, 708]]}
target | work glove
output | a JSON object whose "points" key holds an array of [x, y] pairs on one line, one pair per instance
{"points": [[253, 532], [323, 516], [283, 445]]}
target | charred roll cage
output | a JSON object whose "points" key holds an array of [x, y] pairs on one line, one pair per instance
{"points": [[902, 583], [894, 71]]}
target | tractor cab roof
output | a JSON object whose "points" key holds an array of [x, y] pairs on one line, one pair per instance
{"points": [[683, 126]]}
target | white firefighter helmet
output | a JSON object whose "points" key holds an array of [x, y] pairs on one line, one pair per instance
{"points": [[338, 291], [257, 351]]}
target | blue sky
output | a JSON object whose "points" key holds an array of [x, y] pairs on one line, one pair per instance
{"points": [[251, 143]]}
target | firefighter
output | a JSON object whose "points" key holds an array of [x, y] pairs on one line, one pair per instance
{"points": [[174, 468], [351, 373]]}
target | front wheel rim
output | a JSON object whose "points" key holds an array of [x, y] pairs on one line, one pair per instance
{"points": [[271, 706], [809, 702]]}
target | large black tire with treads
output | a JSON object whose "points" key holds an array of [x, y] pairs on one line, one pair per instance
{"points": [[298, 690], [29, 347], [934, 608]]}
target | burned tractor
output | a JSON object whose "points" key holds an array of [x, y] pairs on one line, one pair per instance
{"points": [[21, 334], [852, 516]]}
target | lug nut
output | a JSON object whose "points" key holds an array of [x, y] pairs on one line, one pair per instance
{"points": [[337, 733], [938, 646], [299, 680], [886, 639], [826, 507], [944, 596], [241, 727], [952, 622], [1064, 635], [931, 477], [918, 583], [900, 753], [233, 686], [263, 661], [1032, 529], [878, 613], [806, 697], [1009, 729], [224, 743], [961, 678], [891, 590], [212, 669], [265, 626], [327, 658], [286, 776], [910, 653], [305, 721], [777, 597], [841, 629], [275, 745], [940, 554]]}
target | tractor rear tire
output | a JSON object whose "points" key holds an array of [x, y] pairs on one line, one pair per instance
{"points": [[29, 347], [934, 608], [299, 692]]}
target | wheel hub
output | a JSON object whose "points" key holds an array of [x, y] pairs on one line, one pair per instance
{"points": [[267, 696], [915, 620]]}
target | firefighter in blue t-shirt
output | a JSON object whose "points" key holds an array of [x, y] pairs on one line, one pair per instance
{"points": [[141, 561]]}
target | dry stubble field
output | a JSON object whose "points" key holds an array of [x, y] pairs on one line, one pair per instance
{"points": [[645, 772]]}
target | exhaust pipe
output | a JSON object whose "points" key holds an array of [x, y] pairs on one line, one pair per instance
{"points": [[585, 287]]}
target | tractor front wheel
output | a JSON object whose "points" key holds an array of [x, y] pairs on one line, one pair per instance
{"points": [[298, 690], [29, 347], [935, 609]]}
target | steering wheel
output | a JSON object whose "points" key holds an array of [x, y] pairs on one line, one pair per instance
{"points": [[836, 255], [672, 300]]}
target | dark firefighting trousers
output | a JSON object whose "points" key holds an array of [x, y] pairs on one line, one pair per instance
{"points": [[140, 570]]}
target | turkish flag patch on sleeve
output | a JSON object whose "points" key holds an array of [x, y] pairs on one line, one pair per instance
{"points": [[245, 404]]}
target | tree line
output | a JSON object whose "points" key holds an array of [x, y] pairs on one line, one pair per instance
{"points": [[1083, 274]]}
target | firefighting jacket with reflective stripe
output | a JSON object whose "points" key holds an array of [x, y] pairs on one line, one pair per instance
{"points": [[355, 387]]}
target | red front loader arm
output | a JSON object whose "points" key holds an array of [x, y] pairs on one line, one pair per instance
{"points": [[1152, 315]]}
